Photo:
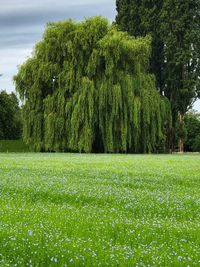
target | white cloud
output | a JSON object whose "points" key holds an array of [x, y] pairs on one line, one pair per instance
{"points": [[10, 59], [197, 105]]}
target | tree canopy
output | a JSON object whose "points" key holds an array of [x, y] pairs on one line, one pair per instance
{"points": [[10, 117], [175, 29], [87, 88]]}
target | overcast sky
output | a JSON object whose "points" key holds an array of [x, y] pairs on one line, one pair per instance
{"points": [[22, 23]]}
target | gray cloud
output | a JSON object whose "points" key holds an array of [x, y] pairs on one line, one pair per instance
{"points": [[17, 40], [22, 24], [27, 16], [20, 19]]}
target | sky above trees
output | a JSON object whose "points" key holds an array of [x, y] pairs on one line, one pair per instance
{"points": [[22, 24]]}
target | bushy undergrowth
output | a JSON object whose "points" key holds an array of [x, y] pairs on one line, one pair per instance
{"points": [[13, 146]]}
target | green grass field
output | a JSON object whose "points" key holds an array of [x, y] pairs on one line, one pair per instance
{"points": [[99, 210]]}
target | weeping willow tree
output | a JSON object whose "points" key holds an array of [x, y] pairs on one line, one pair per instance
{"points": [[87, 88]]}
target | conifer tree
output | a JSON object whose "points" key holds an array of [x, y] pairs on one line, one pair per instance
{"points": [[87, 88], [175, 28]]}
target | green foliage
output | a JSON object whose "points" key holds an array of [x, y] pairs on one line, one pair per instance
{"points": [[13, 146], [140, 18], [196, 145], [10, 116], [175, 29], [180, 28], [192, 124], [87, 88]]}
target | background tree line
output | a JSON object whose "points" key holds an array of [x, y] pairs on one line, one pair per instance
{"points": [[192, 125], [10, 117]]}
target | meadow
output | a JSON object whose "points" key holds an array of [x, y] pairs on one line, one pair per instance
{"points": [[99, 210]]}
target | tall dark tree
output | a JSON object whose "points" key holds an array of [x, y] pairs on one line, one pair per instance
{"points": [[175, 28], [88, 88], [180, 27], [141, 18], [10, 117]]}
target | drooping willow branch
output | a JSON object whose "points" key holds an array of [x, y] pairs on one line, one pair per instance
{"points": [[87, 88]]}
